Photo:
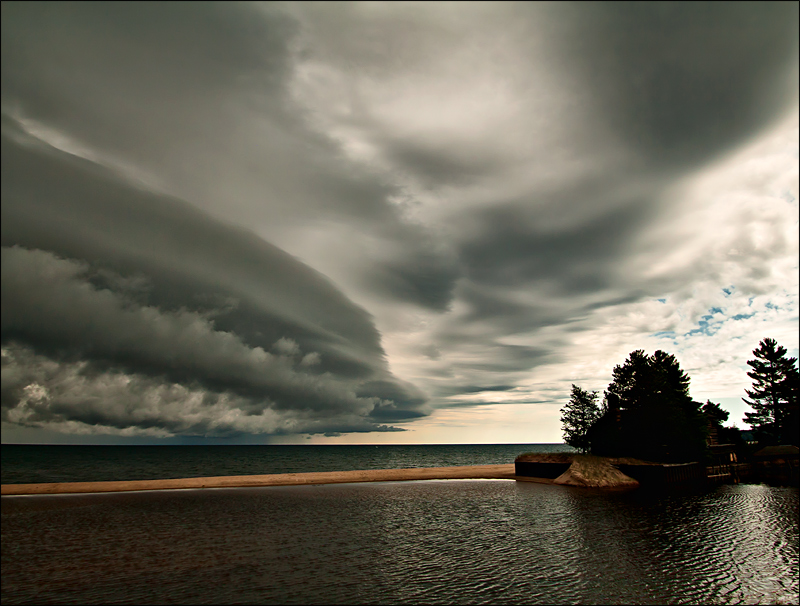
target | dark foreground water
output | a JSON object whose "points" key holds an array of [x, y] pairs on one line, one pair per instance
{"points": [[432, 542], [27, 464]]}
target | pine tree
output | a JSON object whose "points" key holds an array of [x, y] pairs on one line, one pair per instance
{"points": [[790, 388], [649, 413], [647, 381], [715, 413], [773, 397], [578, 416]]}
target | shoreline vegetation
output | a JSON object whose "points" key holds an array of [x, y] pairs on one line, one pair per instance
{"points": [[648, 413]]}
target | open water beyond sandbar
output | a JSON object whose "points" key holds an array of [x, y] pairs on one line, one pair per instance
{"points": [[34, 463], [444, 542]]}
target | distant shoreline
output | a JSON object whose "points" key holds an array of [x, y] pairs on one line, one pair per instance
{"points": [[466, 472]]}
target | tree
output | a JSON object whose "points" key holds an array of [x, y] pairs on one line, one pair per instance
{"points": [[648, 412], [578, 416], [774, 394], [714, 412], [790, 388], [647, 380], [715, 417]]}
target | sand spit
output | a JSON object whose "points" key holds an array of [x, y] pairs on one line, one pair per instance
{"points": [[594, 472], [469, 472]]}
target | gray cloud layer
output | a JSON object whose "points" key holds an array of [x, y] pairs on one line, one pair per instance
{"points": [[481, 170], [161, 83], [684, 80], [161, 290]]}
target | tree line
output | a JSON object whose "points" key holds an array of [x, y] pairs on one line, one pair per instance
{"points": [[647, 412]]}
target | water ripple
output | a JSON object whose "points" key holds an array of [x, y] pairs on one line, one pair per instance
{"points": [[403, 543]]}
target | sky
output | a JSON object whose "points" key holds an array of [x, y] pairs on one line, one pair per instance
{"points": [[385, 222]]}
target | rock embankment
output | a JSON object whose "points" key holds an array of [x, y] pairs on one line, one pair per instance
{"points": [[594, 472]]}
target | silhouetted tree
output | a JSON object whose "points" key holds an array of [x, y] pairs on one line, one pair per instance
{"points": [[774, 396], [714, 412], [578, 416], [715, 417], [648, 412], [791, 389]]}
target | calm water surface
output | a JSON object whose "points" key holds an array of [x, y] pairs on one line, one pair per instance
{"points": [[433, 542], [24, 464]]}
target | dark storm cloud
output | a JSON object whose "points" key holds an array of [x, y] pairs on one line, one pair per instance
{"points": [[164, 65], [682, 81], [479, 347], [55, 204], [421, 277], [399, 402], [674, 84], [578, 257], [157, 83], [678, 82], [67, 205], [435, 165], [492, 306], [76, 398], [503, 357]]}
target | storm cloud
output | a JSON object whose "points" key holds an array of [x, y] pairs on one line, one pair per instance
{"points": [[242, 218], [99, 272]]}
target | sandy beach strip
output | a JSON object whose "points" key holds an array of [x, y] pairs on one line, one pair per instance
{"points": [[468, 472]]}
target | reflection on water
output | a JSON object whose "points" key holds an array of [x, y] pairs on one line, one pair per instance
{"points": [[417, 542]]}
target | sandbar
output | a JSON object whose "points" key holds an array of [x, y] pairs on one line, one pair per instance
{"points": [[464, 472]]}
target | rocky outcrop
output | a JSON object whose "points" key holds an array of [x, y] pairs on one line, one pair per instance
{"points": [[594, 472]]}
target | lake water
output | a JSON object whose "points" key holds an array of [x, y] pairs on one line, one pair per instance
{"points": [[23, 464], [432, 542]]}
